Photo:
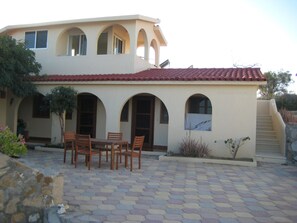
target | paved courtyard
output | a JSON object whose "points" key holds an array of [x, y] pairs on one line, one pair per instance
{"points": [[166, 191]]}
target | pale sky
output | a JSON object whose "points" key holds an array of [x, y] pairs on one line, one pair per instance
{"points": [[205, 34]]}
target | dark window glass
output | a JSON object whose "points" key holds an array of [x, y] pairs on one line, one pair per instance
{"points": [[143, 106], [83, 45], [163, 114], [143, 121], [118, 46], [102, 44], [41, 40], [68, 115], [30, 39], [200, 105], [40, 107], [125, 113]]}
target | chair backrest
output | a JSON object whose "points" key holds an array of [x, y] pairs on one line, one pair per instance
{"points": [[83, 142], [69, 136], [138, 143], [115, 135]]}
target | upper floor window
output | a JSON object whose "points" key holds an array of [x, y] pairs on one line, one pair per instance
{"points": [[102, 44], [118, 45], [77, 45], [36, 39]]}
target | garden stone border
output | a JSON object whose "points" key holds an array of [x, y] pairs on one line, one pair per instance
{"points": [[209, 160]]}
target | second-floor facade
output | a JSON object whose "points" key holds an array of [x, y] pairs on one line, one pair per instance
{"points": [[107, 45]]}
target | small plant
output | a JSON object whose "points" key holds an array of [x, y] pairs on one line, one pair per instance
{"points": [[21, 127], [11, 144], [193, 148], [287, 116], [234, 144]]}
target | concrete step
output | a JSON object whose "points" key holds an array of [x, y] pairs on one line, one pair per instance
{"points": [[264, 128], [267, 145], [267, 141], [269, 157]]}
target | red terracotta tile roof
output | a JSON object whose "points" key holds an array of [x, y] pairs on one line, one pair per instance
{"points": [[171, 74]]}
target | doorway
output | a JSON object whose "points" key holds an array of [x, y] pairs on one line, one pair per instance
{"points": [[143, 119], [86, 114]]}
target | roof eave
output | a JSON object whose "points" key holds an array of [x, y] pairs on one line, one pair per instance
{"points": [[88, 20], [160, 35]]}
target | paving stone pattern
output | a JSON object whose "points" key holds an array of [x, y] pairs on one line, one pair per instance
{"points": [[166, 191]]}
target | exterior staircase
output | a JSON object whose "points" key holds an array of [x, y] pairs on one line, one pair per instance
{"points": [[267, 145]]}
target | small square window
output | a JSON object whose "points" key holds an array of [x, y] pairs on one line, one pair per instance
{"points": [[68, 115], [30, 39], [35, 39], [40, 107], [2, 94], [41, 40]]}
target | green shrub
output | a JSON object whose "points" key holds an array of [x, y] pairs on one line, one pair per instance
{"points": [[193, 148], [11, 144], [287, 101]]}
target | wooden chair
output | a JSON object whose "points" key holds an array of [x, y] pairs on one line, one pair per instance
{"points": [[135, 151], [112, 136], [83, 146], [69, 139]]}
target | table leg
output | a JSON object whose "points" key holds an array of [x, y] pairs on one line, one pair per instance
{"points": [[112, 157]]}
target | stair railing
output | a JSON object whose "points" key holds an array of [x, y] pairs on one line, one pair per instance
{"points": [[278, 125]]}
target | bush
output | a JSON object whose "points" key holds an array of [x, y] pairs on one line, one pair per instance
{"points": [[287, 101], [193, 148], [287, 116], [11, 144]]}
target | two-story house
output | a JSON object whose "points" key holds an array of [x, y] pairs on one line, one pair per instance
{"points": [[113, 62]]}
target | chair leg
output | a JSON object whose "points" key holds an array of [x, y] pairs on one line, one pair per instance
{"points": [[120, 153], [126, 160], [90, 160], [131, 163], [117, 161], [139, 163], [64, 155], [106, 154], [75, 160], [72, 149], [100, 158]]}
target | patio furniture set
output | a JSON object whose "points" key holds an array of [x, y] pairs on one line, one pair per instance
{"points": [[114, 144]]}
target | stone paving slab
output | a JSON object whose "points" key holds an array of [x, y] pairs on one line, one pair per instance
{"points": [[166, 191]]}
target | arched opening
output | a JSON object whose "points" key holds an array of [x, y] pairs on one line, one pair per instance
{"points": [[146, 114], [72, 42], [91, 117], [198, 113], [142, 46], [34, 119], [154, 53], [113, 40]]}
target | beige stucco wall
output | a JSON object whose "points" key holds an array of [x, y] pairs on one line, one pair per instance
{"points": [[234, 111], [37, 127], [91, 63]]}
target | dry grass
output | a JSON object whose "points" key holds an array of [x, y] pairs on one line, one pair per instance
{"points": [[194, 148]]}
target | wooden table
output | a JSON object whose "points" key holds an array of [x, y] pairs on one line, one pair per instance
{"points": [[112, 143]]}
